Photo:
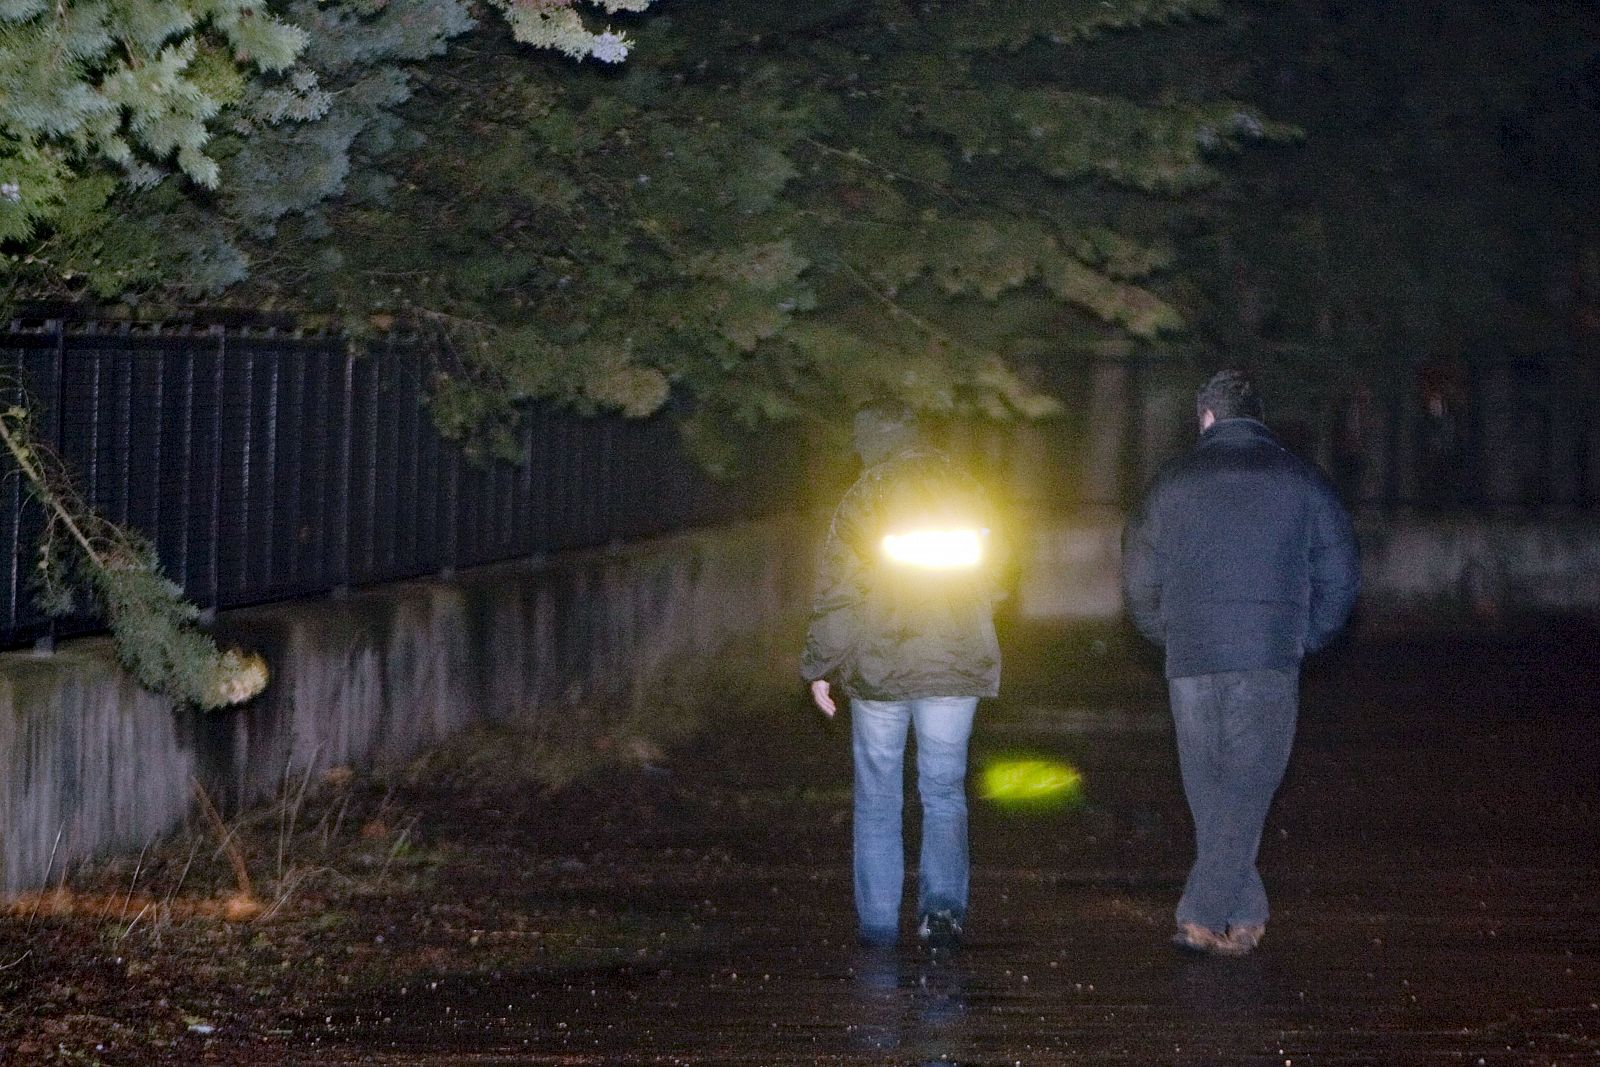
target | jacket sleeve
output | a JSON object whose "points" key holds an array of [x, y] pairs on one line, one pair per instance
{"points": [[1335, 568], [840, 590], [1141, 571]]}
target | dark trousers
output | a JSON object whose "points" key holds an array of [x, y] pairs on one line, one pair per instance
{"points": [[1234, 732]]}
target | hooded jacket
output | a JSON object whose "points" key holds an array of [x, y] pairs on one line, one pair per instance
{"points": [[1241, 556], [886, 631]]}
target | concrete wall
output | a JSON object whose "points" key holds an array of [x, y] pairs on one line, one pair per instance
{"points": [[1417, 572], [89, 762]]}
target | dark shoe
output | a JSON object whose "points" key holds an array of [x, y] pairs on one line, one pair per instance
{"points": [[1192, 937], [1242, 940], [940, 930], [878, 938]]}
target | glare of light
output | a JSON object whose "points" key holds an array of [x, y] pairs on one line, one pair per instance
{"points": [[941, 550], [1031, 781]]}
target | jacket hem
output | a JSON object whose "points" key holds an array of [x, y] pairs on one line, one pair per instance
{"points": [[1195, 670]]}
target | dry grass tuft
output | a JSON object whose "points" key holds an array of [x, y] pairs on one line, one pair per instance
{"points": [[65, 903]]}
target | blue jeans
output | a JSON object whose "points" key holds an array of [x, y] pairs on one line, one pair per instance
{"points": [[1234, 732], [878, 729]]}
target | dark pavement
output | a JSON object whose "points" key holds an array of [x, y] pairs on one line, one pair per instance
{"points": [[1432, 859]]}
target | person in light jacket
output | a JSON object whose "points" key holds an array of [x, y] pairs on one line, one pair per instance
{"points": [[903, 620]]}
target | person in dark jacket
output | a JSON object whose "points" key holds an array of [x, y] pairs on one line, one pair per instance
{"points": [[902, 619], [1239, 562]]}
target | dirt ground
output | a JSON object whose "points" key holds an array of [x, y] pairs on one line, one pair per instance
{"points": [[668, 896]]}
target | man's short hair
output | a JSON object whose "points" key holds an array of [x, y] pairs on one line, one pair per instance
{"points": [[1230, 394]]}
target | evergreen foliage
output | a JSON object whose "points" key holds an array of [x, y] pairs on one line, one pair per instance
{"points": [[129, 84], [556, 25], [782, 209], [1440, 207], [155, 629], [774, 208], [159, 144]]}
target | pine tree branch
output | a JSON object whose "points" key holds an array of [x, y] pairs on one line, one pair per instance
{"points": [[35, 474], [899, 310], [150, 619], [856, 156]]}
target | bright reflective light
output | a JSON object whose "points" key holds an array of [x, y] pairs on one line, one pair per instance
{"points": [[942, 550], [1031, 781]]}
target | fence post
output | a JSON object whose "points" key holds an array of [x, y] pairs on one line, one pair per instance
{"points": [[1110, 401], [340, 569], [214, 535], [268, 476], [452, 531], [45, 643], [186, 465]]}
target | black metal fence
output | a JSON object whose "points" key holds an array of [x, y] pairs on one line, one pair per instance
{"points": [[1486, 433], [265, 466]]}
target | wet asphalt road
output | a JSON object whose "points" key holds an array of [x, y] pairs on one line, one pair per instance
{"points": [[1433, 858]]}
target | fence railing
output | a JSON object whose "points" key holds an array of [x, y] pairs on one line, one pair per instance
{"points": [[1487, 433], [266, 466]]}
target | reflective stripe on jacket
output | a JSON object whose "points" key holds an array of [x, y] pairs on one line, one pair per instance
{"points": [[886, 631]]}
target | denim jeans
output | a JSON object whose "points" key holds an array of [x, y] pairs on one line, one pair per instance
{"points": [[878, 728], [1234, 732]]}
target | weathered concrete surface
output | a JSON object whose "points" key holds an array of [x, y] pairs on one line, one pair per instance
{"points": [[1417, 571], [89, 762]]}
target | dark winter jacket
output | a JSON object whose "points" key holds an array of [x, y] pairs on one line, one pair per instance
{"points": [[886, 631], [1240, 557]]}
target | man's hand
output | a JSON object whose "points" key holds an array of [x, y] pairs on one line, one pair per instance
{"points": [[821, 697]]}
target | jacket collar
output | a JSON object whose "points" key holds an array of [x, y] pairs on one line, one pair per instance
{"points": [[1237, 430]]}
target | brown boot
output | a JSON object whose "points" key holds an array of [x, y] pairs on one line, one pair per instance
{"points": [[1197, 938], [1242, 940]]}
